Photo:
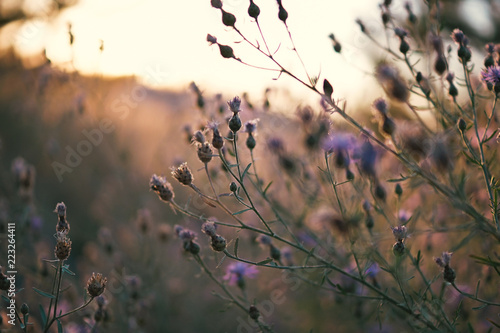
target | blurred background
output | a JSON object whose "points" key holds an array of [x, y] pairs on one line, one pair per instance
{"points": [[118, 74]]}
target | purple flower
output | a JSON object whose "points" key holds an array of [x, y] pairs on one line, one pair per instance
{"points": [[459, 37], [372, 270], [236, 272], [251, 126], [491, 75], [339, 142]]}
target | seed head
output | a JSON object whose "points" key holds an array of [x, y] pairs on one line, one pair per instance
{"points": [[63, 246], [96, 285], [183, 174], [204, 152], [161, 187], [234, 105], [209, 229], [218, 243], [400, 233]]}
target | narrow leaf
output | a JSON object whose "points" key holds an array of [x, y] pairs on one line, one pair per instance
{"points": [[59, 327], [245, 172], [43, 293], [264, 262], [67, 270], [242, 211], [267, 187]]}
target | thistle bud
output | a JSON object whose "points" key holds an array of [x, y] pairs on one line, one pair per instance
{"points": [[462, 126], [404, 47], [235, 123], [253, 312], [226, 51], [216, 3], [282, 13], [251, 143], [233, 187], [398, 249], [192, 247], [369, 222], [253, 10], [228, 19], [63, 246], [398, 190], [388, 126], [218, 243], [440, 65], [380, 192], [161, 187], [25, 309], [274, 252]]}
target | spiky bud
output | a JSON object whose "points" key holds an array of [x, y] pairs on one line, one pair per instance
{"points": [[183, 174], [218, 243]]}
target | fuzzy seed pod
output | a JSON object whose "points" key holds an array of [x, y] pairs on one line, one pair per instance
{"points": [[96, 285]]}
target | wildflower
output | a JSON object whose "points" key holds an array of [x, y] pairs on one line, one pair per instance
{"points": [[444, 262], [340, 144], [491, 76], [393, 84], [404, 47], [161, 187], [237, 272], [452, 91], [209, 228], [62, 224], [400, 233], [187, 236], [63, 246], [234, 105], [490, 60], [380, 105], [463, 52], [183, 174], [367, 158], [275, 145], [96, 285], [250, 127], [217, 140]]}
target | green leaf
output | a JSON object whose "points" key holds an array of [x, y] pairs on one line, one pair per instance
{"points": [[242, 211], [6, 299], [43, 293], [491, 136], [67, 270], [493, 323], [267, 187], [480, 307], [264, 262], [245, 172], [477, 287], [42, 314], [236, 243], [59, 327], [470, 159]]}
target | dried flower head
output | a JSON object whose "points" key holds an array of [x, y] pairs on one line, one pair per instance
{"points": [[161, 187], [186, 235], [400, 233], [62, 223], [400, 32], [251, 126], [60, 209], [96, 285], [183, 174], [380, 105], [217, 140], [204, 152], [234, 105], [459, 37], [218, 243], [209, 228], [63, 246], [449, 274]]}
